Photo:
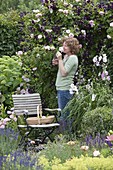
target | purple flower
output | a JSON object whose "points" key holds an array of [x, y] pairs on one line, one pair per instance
{"points": [[91, 22]]}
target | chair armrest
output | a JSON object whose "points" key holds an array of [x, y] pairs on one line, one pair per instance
{"points": [[52, 110]]}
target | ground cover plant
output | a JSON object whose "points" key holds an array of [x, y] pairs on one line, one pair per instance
{"points": [[92, 153]]}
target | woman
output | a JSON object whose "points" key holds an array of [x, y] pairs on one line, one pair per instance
{"points": [[67, 67]]}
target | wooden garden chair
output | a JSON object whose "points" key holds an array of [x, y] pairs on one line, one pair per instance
{"points": [[29, 106]]}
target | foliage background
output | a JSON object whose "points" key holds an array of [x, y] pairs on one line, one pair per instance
{"points": [[22, 28]]}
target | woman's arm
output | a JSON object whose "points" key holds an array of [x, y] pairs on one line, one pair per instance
{"points": [[61, 65]]}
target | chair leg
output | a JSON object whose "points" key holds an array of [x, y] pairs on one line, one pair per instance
{"points": [[23, 137], [48, 133]]}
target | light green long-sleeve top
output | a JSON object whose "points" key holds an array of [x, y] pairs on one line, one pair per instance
{"points": [[71, 65]]}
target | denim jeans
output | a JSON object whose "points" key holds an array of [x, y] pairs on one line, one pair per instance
{"points": [[63, 98]]}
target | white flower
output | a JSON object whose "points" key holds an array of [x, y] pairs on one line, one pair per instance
{"points": [[77, 0], [12, 109], [22, 91], [85, 148], [96, 153], [95, 59], [60, 10], [21, 84], [71, 35], [59, 39], [100, 58], [38, 55], [51, 10], [104, 55], [38, 15], [18, 89], [101, 12], [67, 31], [25, 53], [65, 3], [35, 68], [65, 11], [39, 36], [99, 74], [20, 63], [93, 97], [71, 91], [73, 87], [97, 63], [11, 116], [19, 53], [35, 21], [15, 119], [108, 78], [9, 112], [6, 120], [108, 36], [61, 49], [32, 142], [71, 5], [48, 30], [52, 47], [47, 47], [104, 58], [88, 87], [83, 32], [111, 24], [32, 35], [106, 72], [26, 79], [36, 11]]}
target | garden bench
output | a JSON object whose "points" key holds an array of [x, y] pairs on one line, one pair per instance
{"points": [[26, 105]]}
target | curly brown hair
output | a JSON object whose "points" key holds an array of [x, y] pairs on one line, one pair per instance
{"points": [[73, 44]]}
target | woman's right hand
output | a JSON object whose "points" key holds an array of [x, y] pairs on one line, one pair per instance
{"points": [[55, 61]]}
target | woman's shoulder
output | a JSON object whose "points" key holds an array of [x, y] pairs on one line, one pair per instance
{"points": [[73, 57]]}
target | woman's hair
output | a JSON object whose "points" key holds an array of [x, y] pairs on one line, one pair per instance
{"points": [[73, 44]]}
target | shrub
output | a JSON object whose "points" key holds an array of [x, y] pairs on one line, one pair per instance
{"points": [[88, 98], [10, 76], [45, 25], [99, 120], [61, 150], [10, 33]]}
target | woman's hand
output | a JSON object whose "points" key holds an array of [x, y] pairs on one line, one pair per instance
{"points": [[59, 55], [55, 61]]}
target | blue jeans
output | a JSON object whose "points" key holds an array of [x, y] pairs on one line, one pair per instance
{"points": [[64, 97]]}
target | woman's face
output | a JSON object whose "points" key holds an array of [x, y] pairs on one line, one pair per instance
{"points": [[66, 49]]}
